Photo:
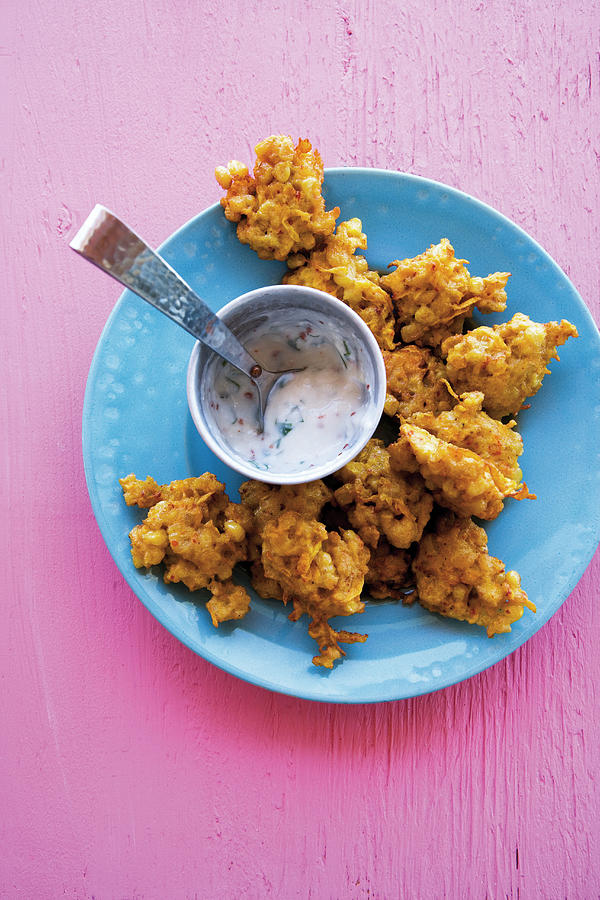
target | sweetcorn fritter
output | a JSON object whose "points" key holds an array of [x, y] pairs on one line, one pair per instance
{"points": [[468, 426], [456, 577], [197, 533], [433, 293], [321, 573], [279, 208], [382, 502], [416, 382], [507, 362], [459, 479]]}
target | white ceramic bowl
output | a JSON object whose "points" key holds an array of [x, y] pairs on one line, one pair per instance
{"points": [[250, 312]]}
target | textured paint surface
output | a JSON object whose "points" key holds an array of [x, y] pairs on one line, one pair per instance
{"points": [[130, 768]]}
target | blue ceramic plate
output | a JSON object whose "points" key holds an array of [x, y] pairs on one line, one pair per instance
{"points": [[136, 420]]}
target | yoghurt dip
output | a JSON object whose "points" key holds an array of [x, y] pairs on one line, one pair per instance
{"points": [[312, 415]]}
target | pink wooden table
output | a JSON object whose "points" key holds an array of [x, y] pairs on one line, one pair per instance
{"points": [[130, 767]]}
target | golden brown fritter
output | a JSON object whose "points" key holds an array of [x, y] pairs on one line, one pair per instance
{"points": [[336, 270], [433, 293], [380, 501], [467, 426], [321, 572], [281, 209], [456, 577], [459, 479], [198, 534], [212, 544], [267, 502], [506, 362], [416, 382]]}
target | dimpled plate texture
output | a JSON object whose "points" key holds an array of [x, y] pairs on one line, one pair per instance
{"points": [[136, 420]]}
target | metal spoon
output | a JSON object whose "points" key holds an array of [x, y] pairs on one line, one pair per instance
{"points": [[106, 241]]}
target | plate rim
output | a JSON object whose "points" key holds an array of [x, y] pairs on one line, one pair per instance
{"points": [[159, 613]]}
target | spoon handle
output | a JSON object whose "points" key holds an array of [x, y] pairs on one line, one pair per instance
{"points": [[106, 241]]}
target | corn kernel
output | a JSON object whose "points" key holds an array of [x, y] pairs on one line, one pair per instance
{"points": [[282, 172], [237, 169], [156, 538], [309, 186], [234, 530], [223, 177]]}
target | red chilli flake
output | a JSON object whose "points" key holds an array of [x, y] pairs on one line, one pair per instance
{"points": [[248, 394]]}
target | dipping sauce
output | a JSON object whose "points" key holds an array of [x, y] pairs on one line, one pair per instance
{"points": [[311, 415]]}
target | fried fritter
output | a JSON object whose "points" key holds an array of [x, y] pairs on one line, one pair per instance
{"points": [[198, 534], [281, 209], [150, 539], [456, 577], [467, 426], [433, 293], [506, 362], [459, 479], [380, 501], [416, 382], [267, 502], [321, 572], [336, 270]]}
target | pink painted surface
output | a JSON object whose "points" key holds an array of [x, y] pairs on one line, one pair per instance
{"points": [[130, 767]]}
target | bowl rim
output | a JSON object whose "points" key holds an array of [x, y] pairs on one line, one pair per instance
{"points": [[377, 396]]}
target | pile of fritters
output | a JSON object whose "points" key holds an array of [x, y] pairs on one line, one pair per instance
{"points": [[396, 522]]}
